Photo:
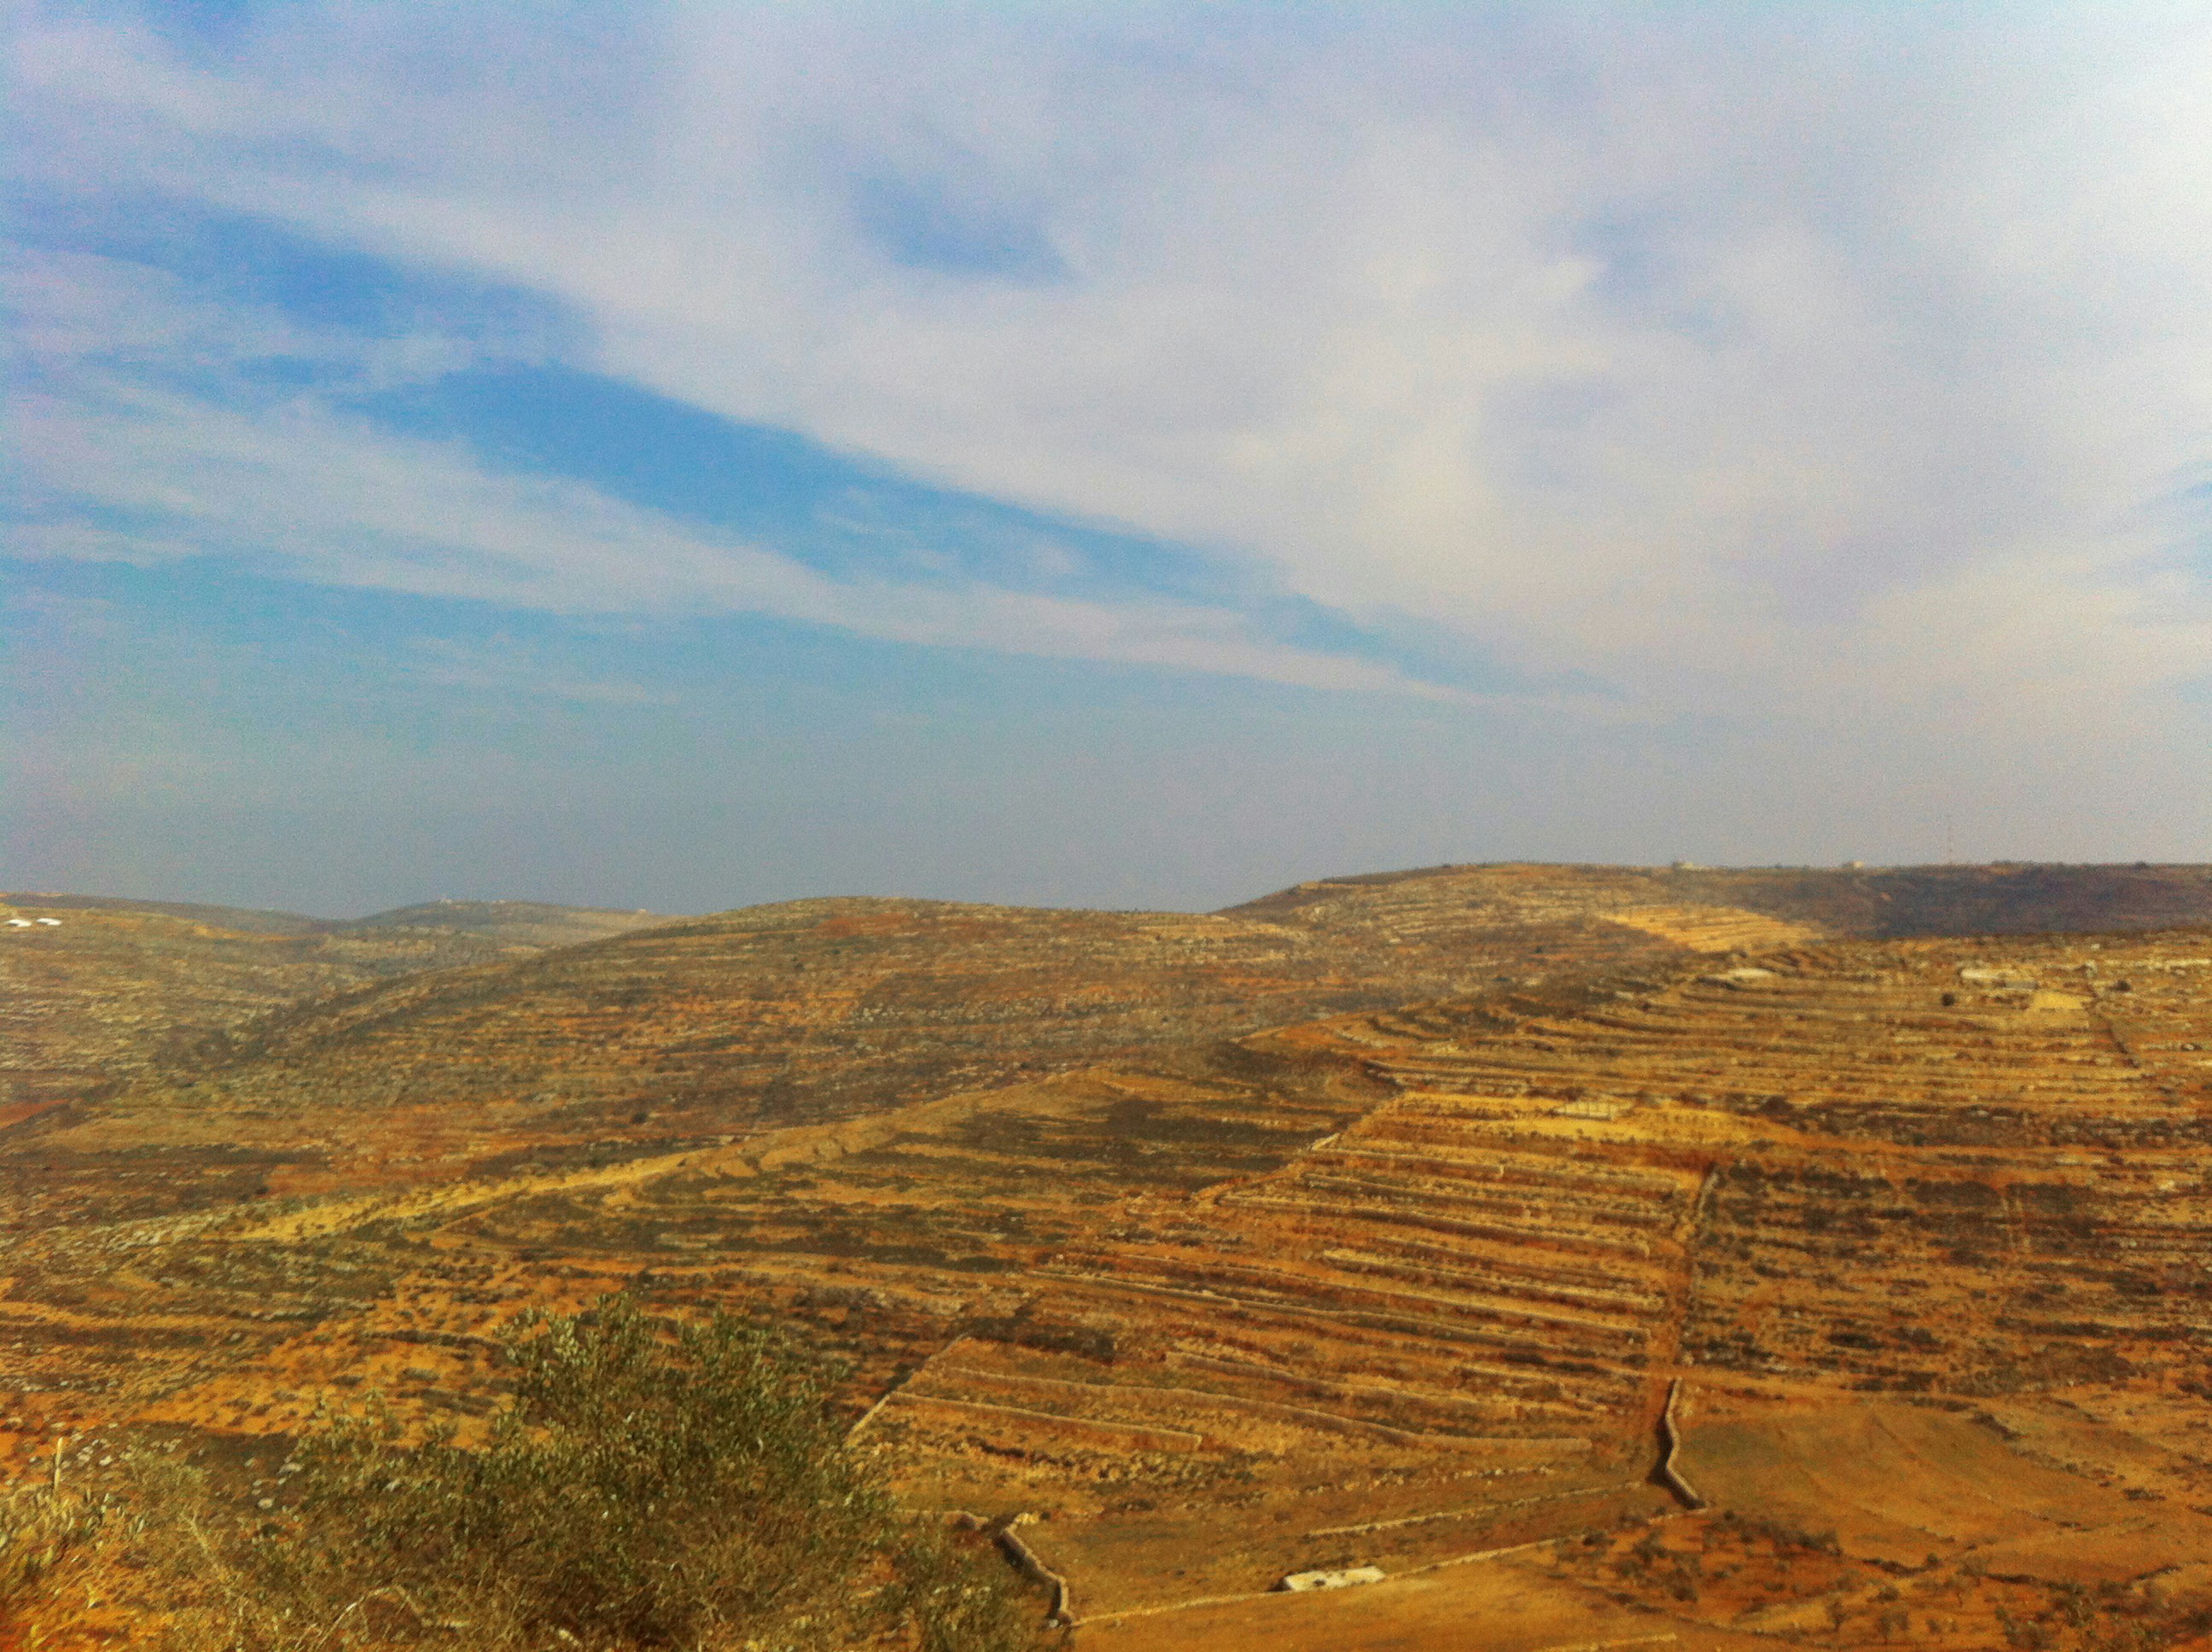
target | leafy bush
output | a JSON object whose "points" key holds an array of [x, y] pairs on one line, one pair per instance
{"points": [[650, 1485]]}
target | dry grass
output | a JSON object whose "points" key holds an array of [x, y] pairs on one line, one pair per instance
{"points": [[649, 1485], [41, 1527]]}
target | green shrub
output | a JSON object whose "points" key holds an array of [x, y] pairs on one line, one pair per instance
{"points": [[650, 1485]]}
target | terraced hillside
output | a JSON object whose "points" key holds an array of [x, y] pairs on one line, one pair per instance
{"points": [[1925, 1284], [94, 992], [1889, 901], [1895, 1256], [826, 1009], [97, 993], [702, 1030]]}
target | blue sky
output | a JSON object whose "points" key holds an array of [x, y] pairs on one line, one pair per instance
{"points": [[1144, 456]]}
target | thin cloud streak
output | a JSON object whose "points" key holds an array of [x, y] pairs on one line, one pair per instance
{"points": [[1834, 372], [1885, 299], [300, 488]]}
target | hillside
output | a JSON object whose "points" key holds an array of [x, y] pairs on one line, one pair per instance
{"points": [[511, 924], [574, 1021], [1398, 1221], [1889, 902], [702, 1031], [1808, 1198], [111, 990], [244, 920], [123, 989], [811, 1011]]}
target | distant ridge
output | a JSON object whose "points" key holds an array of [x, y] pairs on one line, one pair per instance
{"points": [[119, 987], [523, 923], [245, 921], [520, 923], [2001, 898]]}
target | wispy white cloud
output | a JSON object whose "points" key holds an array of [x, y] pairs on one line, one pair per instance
{"points": [[1828, 366], [130, 467]]}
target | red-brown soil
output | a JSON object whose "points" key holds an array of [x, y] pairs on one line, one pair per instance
{"points": [[1166, 1231]]}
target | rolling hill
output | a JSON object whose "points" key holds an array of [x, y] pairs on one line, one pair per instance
{"points": [[1609, 1255], [107, 990]]}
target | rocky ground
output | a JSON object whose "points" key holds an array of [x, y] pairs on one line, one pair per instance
{"points": [[1412, 1222]]}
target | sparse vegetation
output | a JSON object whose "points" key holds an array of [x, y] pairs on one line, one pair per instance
{"points": [[1391, 1286], [41, 1526], [651, 1484]]}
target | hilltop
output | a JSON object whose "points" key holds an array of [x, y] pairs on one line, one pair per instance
{"points": [[511, 924], [515, 923], [2003, 899]]}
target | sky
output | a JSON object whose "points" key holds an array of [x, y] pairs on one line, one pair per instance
{"points": [[1123, 454]]}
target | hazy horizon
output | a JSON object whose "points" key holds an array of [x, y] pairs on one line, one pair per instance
{"points": [[30, 896]]}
